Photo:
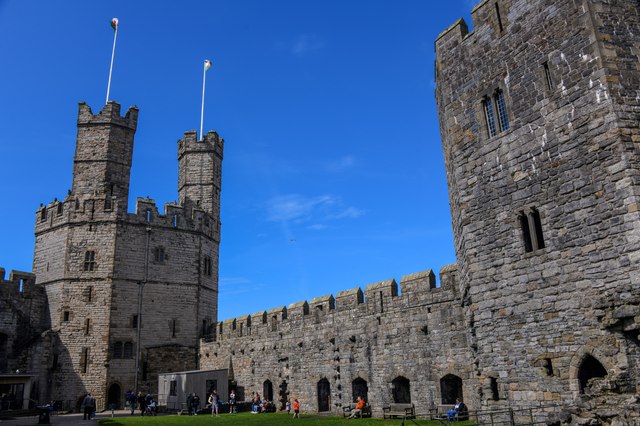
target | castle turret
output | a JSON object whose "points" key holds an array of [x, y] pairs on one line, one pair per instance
{"points": [[104, 149], [200, 171]]}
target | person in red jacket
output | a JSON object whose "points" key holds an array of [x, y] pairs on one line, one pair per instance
{"points": [[358, 410], [296, 409]]}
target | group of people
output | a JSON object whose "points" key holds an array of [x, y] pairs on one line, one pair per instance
{"points": [[145, 403]]}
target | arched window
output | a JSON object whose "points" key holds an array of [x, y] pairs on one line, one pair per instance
{"points": [[401, 390], [450, 388], [589, 369], [324, 395]]}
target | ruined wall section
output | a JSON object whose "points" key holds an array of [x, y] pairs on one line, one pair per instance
{"points": [[416, 332], [568, 73]]}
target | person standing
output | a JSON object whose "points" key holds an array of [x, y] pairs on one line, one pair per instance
{"points": [[232, 402], [87, 408], [214, 402], [296, 408]]}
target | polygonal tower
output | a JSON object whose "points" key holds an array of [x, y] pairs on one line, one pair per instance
{"points": [[539, 109], [109, 273]]}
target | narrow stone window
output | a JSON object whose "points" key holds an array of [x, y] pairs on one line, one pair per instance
{"points": [[84, 360], [498, 17], [87, 326], [489, 117], [148, 215], [158, 254], [531, 226], [381, 302], [88, 294], [173, 328], [65, 316], [547, 75], [89, 260], [43, 214], [501, 106], [207, 266], [548, 366], [127, 352], [494, 389], [117, 350], [134, 321], [59, 211], [173, 388], [175, 220]]}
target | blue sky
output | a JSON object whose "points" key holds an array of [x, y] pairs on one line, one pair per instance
{"points": [[333, 175]]}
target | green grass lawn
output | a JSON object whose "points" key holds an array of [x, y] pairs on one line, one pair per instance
{"points": [[275, 419]]}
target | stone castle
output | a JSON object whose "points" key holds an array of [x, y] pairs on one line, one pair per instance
{"points": [[539, 111]]}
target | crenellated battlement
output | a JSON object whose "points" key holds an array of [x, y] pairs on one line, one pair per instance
{"points": [[110, 114], [190, 143], [175, 216], [377, 298], [19, 284], [74, 209]]}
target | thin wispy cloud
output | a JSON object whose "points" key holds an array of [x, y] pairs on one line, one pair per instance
{"points": [[237, 285], [341, 164], [317, 210], [306, 43]]}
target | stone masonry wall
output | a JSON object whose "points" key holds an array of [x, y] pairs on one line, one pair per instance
{"points": [[538, 319], [377, 336]]}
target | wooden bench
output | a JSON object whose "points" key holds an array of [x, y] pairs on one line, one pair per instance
{"points": [[366, 410], [406, 411]]}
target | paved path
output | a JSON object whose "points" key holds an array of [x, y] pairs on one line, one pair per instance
{"points": [[65, 419]]}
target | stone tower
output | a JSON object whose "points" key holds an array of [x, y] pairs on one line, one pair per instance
{"points": [[109, 273], [539, 109]]}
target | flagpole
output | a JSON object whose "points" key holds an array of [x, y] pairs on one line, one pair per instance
{"points": [[114, 24], [204, 81]]}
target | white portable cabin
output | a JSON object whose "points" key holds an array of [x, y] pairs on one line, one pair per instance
{"points": [[174, 388]]}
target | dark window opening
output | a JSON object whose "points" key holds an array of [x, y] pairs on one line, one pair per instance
{"points": [[117, 350], [401, 390], [173, 388], [43, 214], [381, 302], [84, 360], [145, 370], [324, 395], [267, 390], [494, 389], [547, 75], [87, 326], [134, 321], [450, 388], [590, 369], [499, 17], [127, 352], [158, 254], [531, 226], [548, 367], [207, 266], [59, 211], [359, 388], [173, 328], [89, 260], [65, 316]]}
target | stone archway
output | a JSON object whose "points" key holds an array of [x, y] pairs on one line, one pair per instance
{"points": [[324, 395], [359, 388], [401, 389], [450, 389], [589, 368], [114, 396]]}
